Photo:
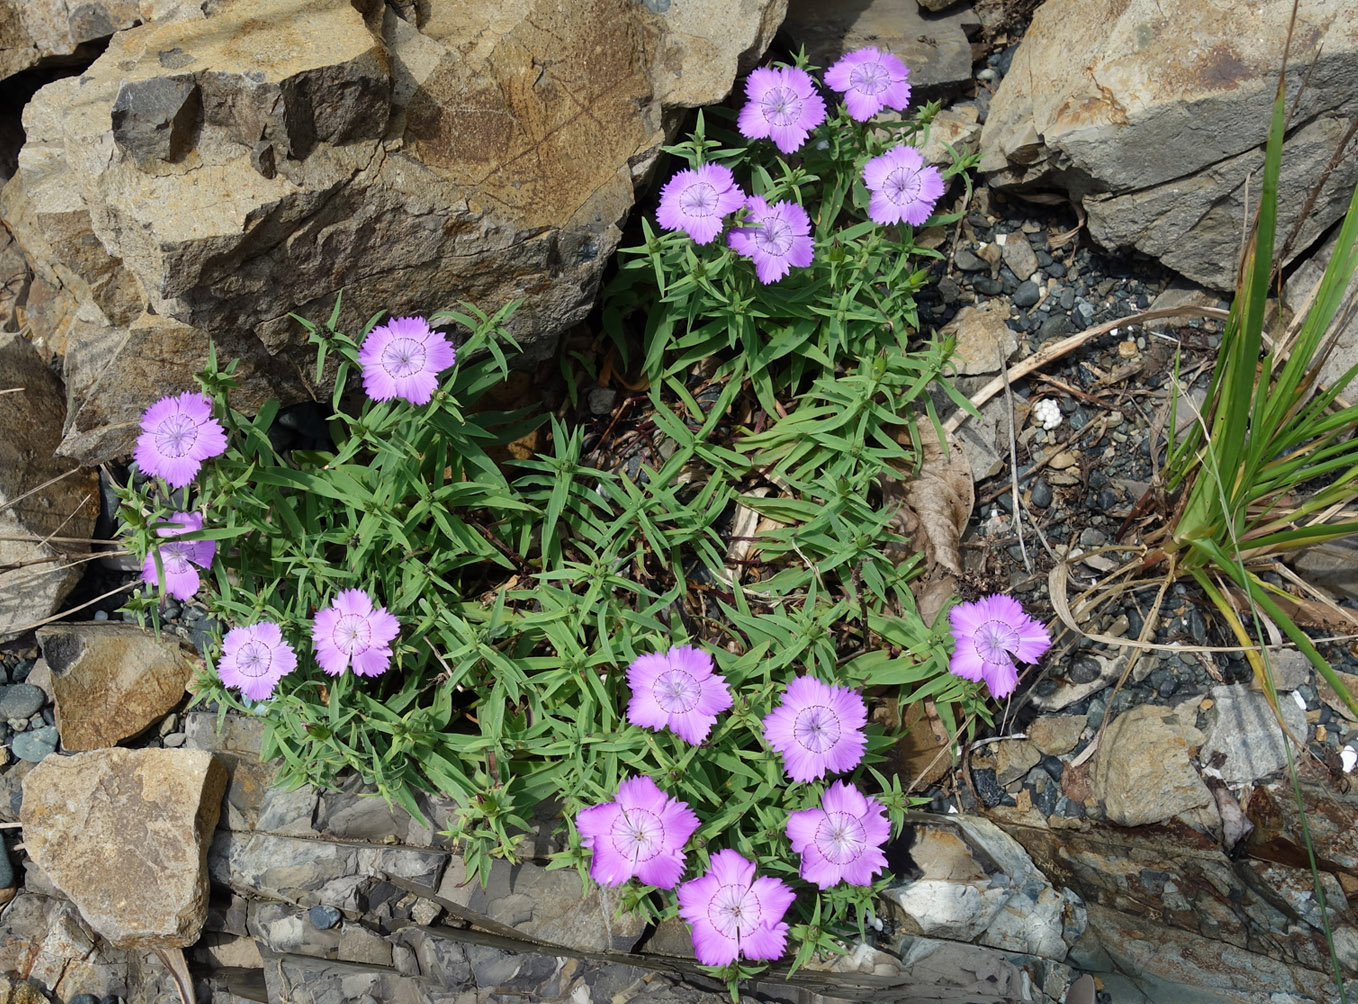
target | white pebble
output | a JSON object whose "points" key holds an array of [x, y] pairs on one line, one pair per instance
{"points": [[1348, 757], [1047, 413], [1301, 701]]}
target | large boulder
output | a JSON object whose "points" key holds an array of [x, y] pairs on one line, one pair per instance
{"points": [[208, 175], [45, 502], [1153, 115], [52, 31]]}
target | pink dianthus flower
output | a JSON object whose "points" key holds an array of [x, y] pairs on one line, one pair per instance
{"points": [[989, 634], [353, 629], [178, 557], [178, 434], [818, 729], [403, 358], [782, 106], [642, 833], [678, 690], [870, 80], [904, 189], [842, 840], [733, 913]]}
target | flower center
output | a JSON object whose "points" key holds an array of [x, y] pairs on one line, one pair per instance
{"points": [[869, 78], [638, 834], [995, 640], [698, 199], [677, 692], [816, 728], [774, 236], [730, 912], [253, 659], [175, 556], [781, 106], [176, 435], [404, 357], [841, 837], [902, 186], [353, 633]]}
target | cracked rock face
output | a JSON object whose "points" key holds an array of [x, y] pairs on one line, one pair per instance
{"points": [[1154, 114], [125, 833], [208, 175]]}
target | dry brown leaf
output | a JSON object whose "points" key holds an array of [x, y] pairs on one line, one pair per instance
{"points": [[934, 505], [922, 754]]}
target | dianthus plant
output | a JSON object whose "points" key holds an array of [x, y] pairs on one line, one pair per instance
{"points": [[397, 599], [785, 235]]}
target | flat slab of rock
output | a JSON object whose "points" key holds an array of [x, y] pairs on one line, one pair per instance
{"points": [[1242, 727], [110, 681], [934, 46], [125, 834]]}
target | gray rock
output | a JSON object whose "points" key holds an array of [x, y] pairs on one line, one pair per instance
{"points": [[978, 884], [936, 49], [21, 700], [35, 745], [1020, 257], [1027, 294], [547, 905], [1042, 493], [967, 261], [314, 872], [1156, 131], [323, 917], [153, 120], [286, 928], [1242, 727]]}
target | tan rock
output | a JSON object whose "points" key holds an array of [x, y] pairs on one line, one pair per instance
{"points": [[33, 31], [984, 341], [209, 174], [110, 681], [1013, 759], [959, 128], [1057, 734], [125, 834], [1143, 773]]}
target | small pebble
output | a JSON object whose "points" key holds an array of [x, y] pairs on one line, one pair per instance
{"points": [[968, 262], [1042, 493], [35, 745], [1027, 294], [987, 787], [21, 700], [174, 740], [323, 918]]}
